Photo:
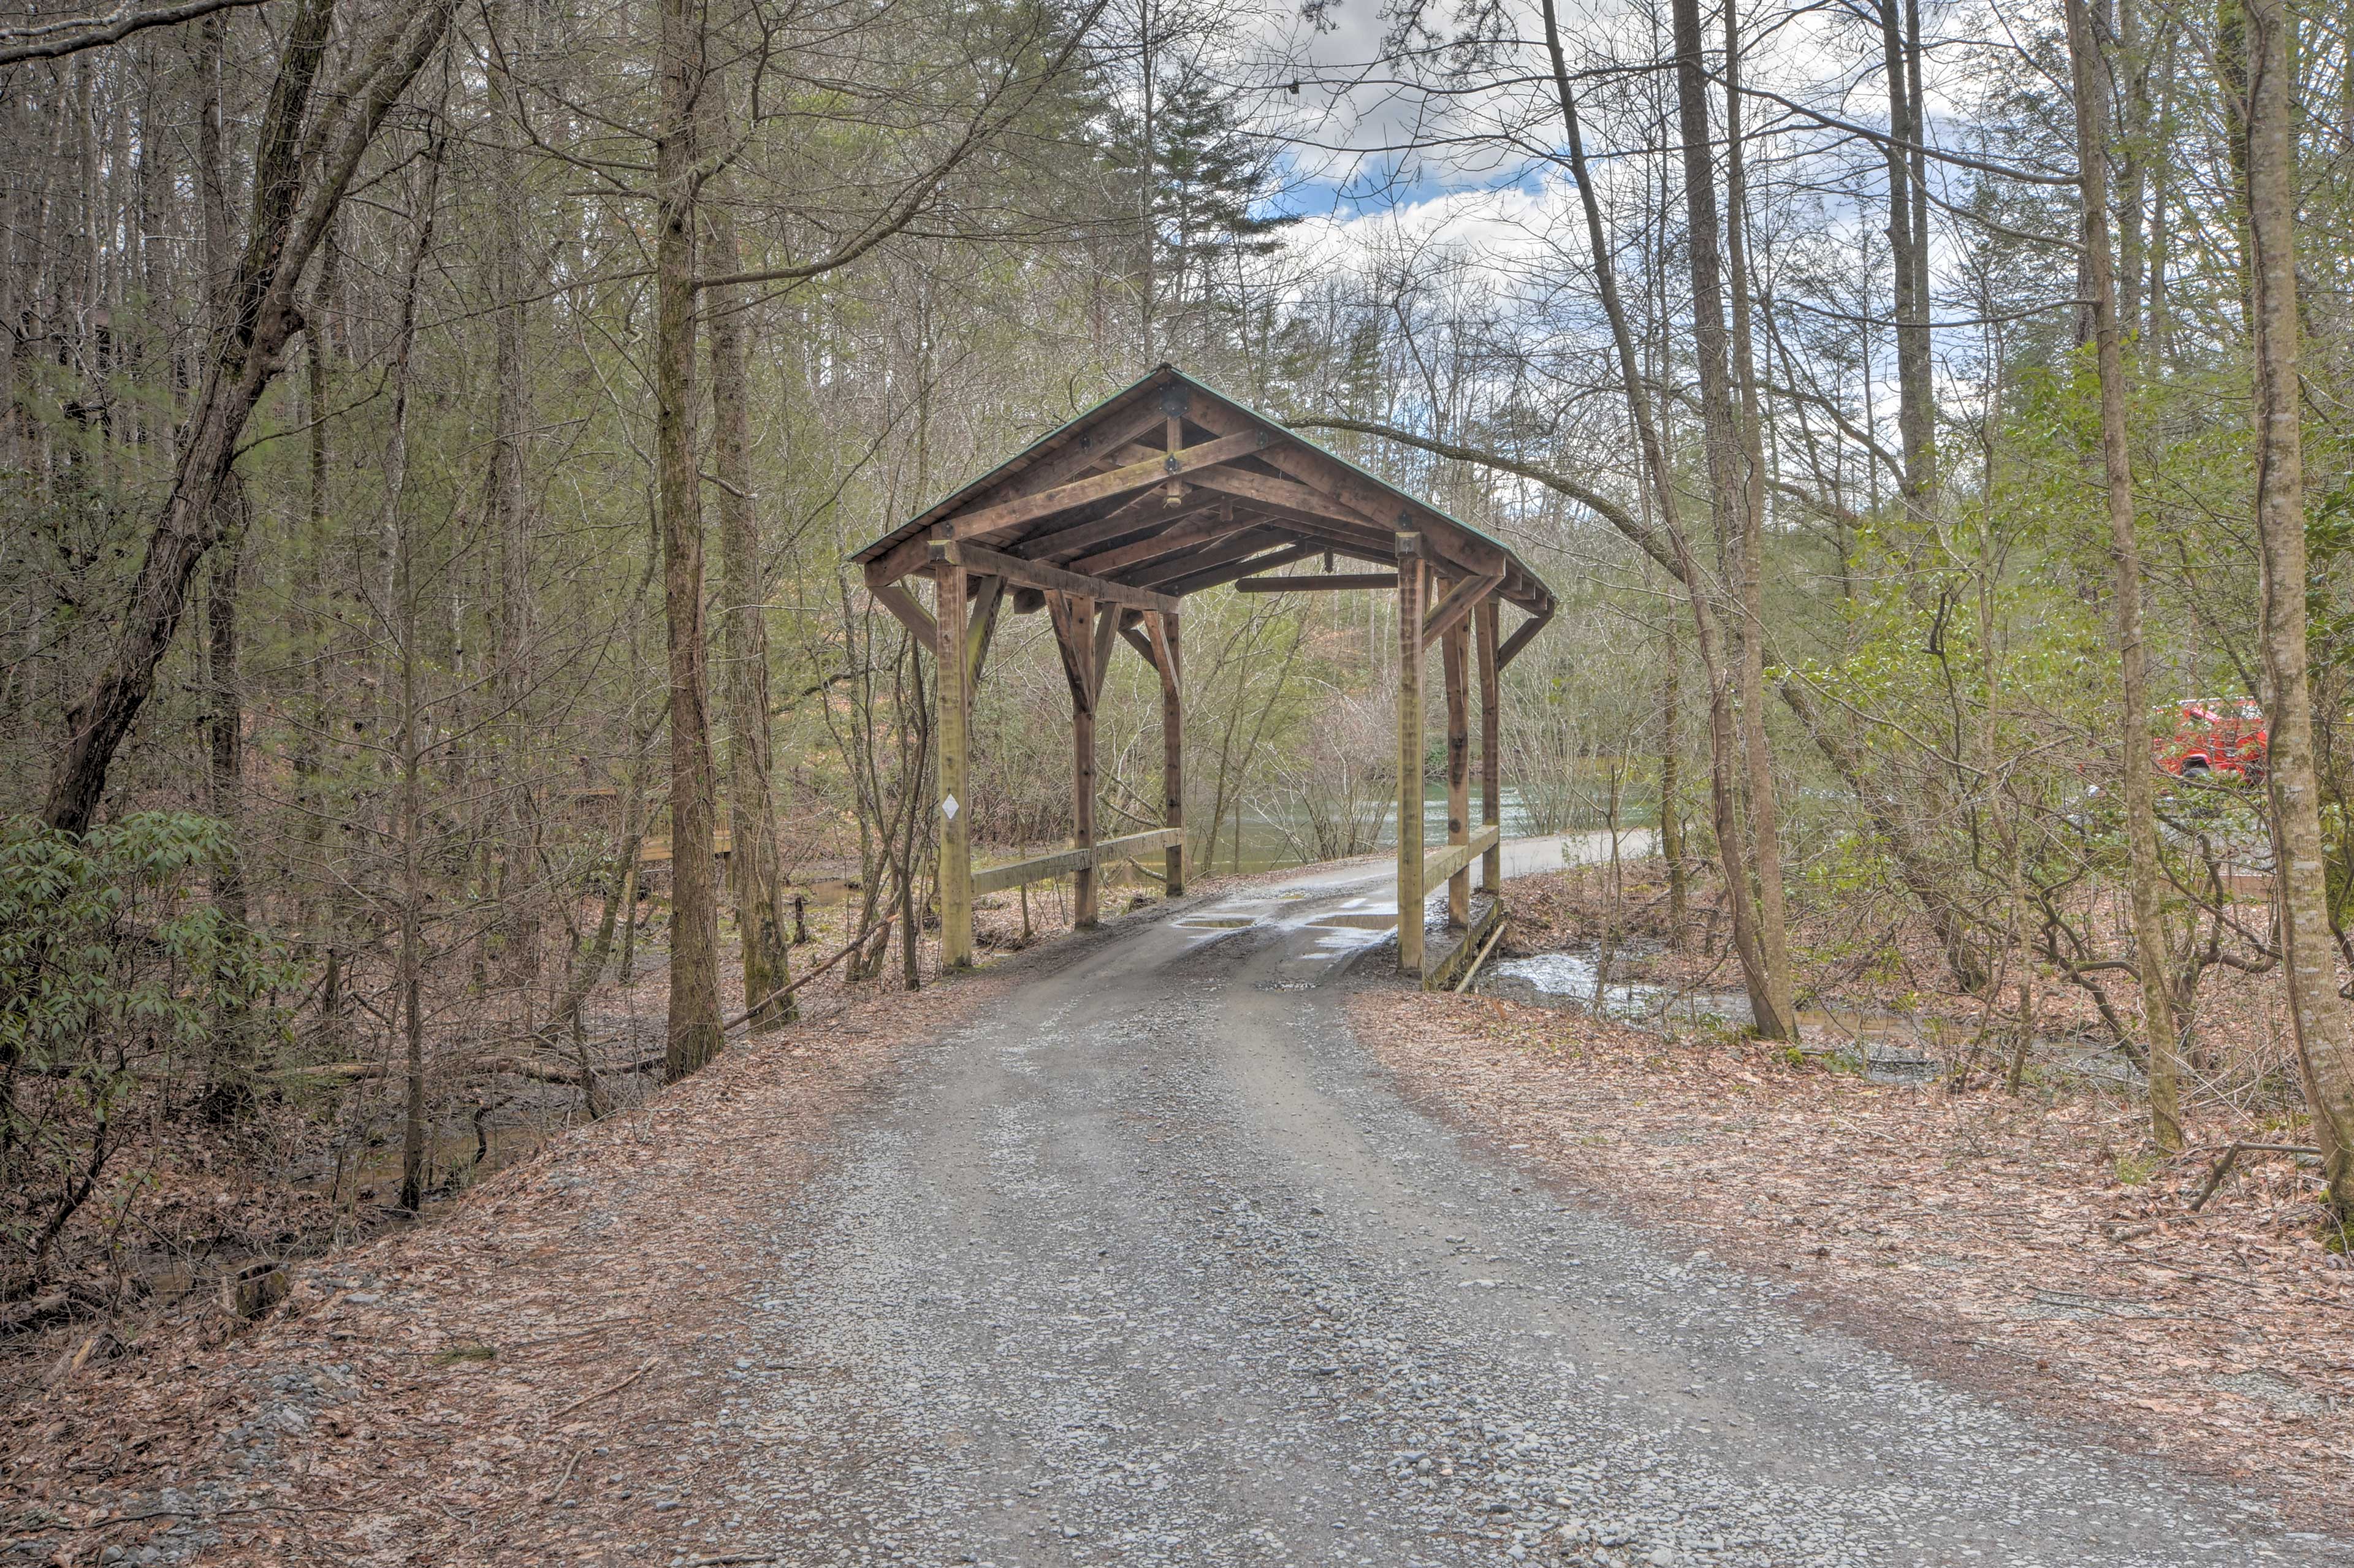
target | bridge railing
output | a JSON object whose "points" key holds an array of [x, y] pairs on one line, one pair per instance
{"points": [[998, 878]]}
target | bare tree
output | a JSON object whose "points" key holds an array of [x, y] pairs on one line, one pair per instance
{"points": [[2316, 1007], [2144, 875]]}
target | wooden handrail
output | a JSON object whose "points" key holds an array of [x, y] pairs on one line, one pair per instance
{"points": [[998, 878], [1439, 865]]}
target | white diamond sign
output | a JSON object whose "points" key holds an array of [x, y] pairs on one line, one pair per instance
{"points": [[949, 808]]}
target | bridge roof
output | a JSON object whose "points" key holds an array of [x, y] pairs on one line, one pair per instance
{"points": [[1105, 499]]}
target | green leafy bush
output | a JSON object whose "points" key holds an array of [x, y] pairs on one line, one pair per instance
{"points": [[119, 979]]}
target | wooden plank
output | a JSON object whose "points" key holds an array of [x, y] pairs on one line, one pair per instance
{"points": [[1491, 762], [949, 684], [1316, 582], [1143, 644], [1107, 619], [1163, 630], [1215, 552], [1104, 486], [998, 878], [980, 623], [1057, 542], [1331, 541], [1458, 604], [911, 615], [1366, 498], [1037, 574], [1522, 637], [1196, 530], [1412, 580], [1442, 865], [1212, 577], [1062, 611], [1276, 491], [1079, 667], [1085, 450], [1453, 658], [908, 554], [1442, 975], [1272, 497], [1352, 539]]}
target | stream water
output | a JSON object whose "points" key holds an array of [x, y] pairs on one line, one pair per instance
{"points": [[1888, 1046]]}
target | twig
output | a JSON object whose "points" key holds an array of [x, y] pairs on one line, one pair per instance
{"points": [[783, 991], [601, 1392], [2231, 1156], [1479, 958], [566, 1478]]}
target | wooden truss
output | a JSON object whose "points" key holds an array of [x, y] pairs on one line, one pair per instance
{"points": [[1106, 525]]}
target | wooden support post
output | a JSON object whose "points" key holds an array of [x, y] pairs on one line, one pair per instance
{"points": [[952, 683], [1491, 762], [1453, 652], [1162, 627], [1075, 628], [980, 625], [1414, 587]]}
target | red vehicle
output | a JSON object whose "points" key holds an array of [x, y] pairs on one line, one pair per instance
{"points": [[2217, 738]]}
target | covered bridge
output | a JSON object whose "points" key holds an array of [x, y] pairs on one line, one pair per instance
{"points": [[1161, 490]]}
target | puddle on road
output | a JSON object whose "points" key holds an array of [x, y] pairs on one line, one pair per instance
{"points": [[1385, 920], [1334, 931]]}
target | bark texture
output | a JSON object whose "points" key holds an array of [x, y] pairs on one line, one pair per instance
{"points": [[692, 1036], [2317, 1010], [2140, 783]]}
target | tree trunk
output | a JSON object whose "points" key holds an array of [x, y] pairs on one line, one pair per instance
{"points": [[1677, 557], [287, 223], [2317, 1010], [1672, 824], [692, 1036], [1721, 439], [225, 720], [752, 856], [2143, 872], [1764, 805], [224, 717], [514, 279], [1908, 248], [411, 741]]}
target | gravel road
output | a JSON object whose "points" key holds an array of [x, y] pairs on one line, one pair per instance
{"points": [[1154, 1267]]}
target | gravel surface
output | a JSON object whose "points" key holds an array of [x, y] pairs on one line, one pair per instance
{"points": [[1154, 1265]]}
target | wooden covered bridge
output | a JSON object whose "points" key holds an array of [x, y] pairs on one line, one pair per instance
{"points": [[1157, 491]]}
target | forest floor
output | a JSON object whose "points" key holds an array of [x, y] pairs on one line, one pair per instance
{"points": [[455, 1363], [2033, 1245], [554, 1366]]}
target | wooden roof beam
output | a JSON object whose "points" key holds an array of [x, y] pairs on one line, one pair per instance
{"points": [[1217, 552], [1321, 471], [1038, 575], [911, 614], [970, 524], [1458, 604], [1318, 582], [1103, 522], [1201, 530], [1233, 571], [1521, 638]]}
